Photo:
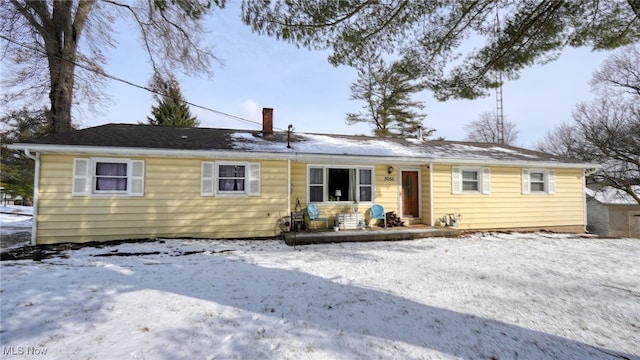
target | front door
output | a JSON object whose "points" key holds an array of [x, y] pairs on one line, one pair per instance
{"points": [[410, 192]]}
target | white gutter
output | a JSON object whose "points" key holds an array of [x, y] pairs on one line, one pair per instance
{"points": [[591, 171], [415, 161], [584, 205], [587, 172], [292, 155], [288, 188], [134, 151], [36, 190], [431, 223]]}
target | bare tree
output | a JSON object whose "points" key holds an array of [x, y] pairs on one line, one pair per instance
{"points": [[620, 73], [57, 47], [485, 129], [607, 130], [562, 141]]}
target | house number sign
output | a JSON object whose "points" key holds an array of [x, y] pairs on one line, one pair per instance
{"points": [[389, 178]]}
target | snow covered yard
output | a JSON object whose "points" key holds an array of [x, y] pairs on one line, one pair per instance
{"points": [[485, 296], [15, 225]]}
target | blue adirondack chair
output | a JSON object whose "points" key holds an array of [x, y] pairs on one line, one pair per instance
{"points": [[314, 215], [377, 212]]}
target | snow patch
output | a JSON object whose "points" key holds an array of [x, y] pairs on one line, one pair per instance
{"points": [[483, 296], [610, 195]]}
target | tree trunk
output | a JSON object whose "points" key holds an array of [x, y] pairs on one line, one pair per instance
{"points": [[61, 42], [60, 32], [61, 95]]}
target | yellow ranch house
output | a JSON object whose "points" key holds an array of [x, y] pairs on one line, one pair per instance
{"points": [[126, 181]]}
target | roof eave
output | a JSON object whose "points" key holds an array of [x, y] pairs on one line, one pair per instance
{"points": [[289, 155], [135, 151], [521, 163]]}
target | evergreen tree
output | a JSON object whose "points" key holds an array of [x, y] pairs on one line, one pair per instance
{"points": [[432, 35], [172, 109], [386, 91], [17, 169]]}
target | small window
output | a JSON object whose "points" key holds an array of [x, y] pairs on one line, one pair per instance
{"points": [[316, 184], [99, 176], [366, 185], [537, 181], [470, 180], [110, 176], [229, 178]]}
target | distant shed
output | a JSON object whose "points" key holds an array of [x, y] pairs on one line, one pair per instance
{"points": [[612, 212]]}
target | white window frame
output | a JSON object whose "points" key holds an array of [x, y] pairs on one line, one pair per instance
{"points": [[322, 185], [549, 181], [484, 180], [361, 185], [84, 177], [325, 183], [210, 179]]}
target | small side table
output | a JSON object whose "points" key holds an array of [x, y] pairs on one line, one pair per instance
{"points": [[297, 220], [349, 221]]}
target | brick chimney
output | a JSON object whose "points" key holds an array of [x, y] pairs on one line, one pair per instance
{"points": [[267, 122]]}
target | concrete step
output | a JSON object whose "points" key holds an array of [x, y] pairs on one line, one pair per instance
{"points": [[412, 221]]}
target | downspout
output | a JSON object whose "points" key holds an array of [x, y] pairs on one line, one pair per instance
{"points": [[586, 173], [36, 190], [290, 187], [431, 223], [589, 172]]}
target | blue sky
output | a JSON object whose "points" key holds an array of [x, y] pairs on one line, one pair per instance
{"points": [[308, 92]]}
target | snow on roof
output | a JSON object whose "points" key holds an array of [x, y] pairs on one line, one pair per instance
{"points": [[304, 143], [325, 144], [140, 138], [511, 151], [610, 195]]}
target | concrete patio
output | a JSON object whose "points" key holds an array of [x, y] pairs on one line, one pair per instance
{"points": [[374, 233]]}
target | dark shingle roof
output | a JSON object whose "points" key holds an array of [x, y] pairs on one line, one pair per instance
{"points": [[171, 138], [144, 136]]}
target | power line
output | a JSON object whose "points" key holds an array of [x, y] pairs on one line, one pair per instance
{"points": [[127, 82]]}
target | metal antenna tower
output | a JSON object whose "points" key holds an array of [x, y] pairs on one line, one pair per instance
{"points": [[499, 110]]}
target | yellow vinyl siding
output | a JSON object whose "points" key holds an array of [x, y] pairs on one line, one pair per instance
{"points": [[387, 187], [506, 206], [299, 183], [425, 187], [171, 206]]}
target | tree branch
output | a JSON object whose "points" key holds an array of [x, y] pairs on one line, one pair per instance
{"points": [[141, 24], [539, 12], [82, 14], [347, 16], [39, 8]]}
